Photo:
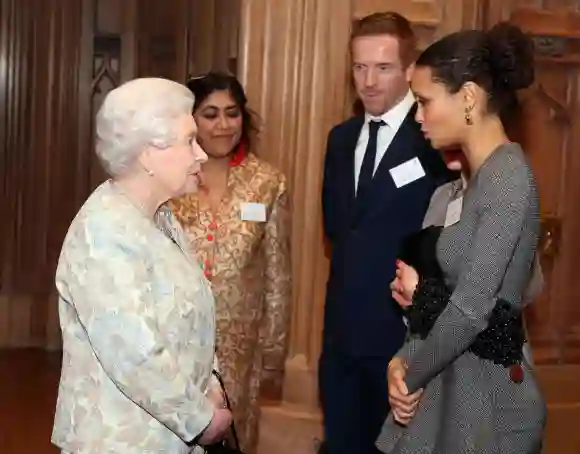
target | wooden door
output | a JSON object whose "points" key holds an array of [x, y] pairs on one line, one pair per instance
{"points": [[550, 134]]}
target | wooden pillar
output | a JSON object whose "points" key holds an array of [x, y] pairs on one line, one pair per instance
{"points": [[293, 62]]}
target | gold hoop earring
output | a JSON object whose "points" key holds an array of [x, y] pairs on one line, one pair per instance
{"points": [[468, 119]]}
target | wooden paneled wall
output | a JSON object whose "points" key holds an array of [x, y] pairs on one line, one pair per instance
{"points": [[40, 163], [213, 37], [58, 59]]}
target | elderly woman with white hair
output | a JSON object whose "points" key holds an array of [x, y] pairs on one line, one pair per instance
{"points": [[136, 311]]}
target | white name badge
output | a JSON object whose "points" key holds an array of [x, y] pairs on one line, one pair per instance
{"points": [[407, 172], [254, 212], [454, 212]]}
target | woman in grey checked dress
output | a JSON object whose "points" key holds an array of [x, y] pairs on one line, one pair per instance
{"points": [[463, 386]]}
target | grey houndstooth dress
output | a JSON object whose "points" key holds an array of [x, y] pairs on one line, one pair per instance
{"points": [[470, 405]]}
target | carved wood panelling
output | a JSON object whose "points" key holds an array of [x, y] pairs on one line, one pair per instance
{"points": [[431, 18], [106, 44], [551, 138], [543, 129], [496, 11]]}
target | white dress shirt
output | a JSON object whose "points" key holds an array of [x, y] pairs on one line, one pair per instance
{"points": [[394, 119]]}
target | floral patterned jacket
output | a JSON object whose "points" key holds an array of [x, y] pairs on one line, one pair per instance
{"points": [[138, 328]]}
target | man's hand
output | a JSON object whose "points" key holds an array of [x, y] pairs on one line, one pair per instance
{"points": [[408, 280], [397, 293], [402, 404], [404, 284]]}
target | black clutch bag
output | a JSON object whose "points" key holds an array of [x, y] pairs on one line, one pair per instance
{"points": [[226, 446], [419, 250]]}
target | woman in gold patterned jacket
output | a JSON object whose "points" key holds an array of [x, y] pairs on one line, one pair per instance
{"points": [[239, 225]]}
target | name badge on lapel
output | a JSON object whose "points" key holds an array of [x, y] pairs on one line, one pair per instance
{"points": [[254, 212], [454, 212], [406, 173]]}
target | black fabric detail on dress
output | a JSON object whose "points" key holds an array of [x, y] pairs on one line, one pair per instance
{"points": [[502, 340], [504, 337], [429, 300]]}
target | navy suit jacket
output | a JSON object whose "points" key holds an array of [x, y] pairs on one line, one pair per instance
{"points": [[360, 316]]}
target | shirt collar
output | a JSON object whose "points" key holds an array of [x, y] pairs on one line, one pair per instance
{"points": [[396, 115]]}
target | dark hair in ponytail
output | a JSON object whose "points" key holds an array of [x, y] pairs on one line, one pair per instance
{"points": [[500, 61]]}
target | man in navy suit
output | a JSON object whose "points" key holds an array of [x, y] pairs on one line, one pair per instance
{"points": [[379, 175]]}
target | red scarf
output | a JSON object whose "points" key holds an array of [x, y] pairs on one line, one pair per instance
{"points": [[239, 155]]}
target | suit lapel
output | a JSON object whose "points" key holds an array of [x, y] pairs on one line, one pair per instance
{"points": [[350, 141]]}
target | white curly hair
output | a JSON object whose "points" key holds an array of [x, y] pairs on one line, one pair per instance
{"points": [[138, 114]]}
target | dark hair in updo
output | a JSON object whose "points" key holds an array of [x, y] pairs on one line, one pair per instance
{"points": [[500, 61], [203, 86]]}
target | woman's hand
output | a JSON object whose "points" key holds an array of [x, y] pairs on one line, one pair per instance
{"points": [[220, 423], [402, 404]]}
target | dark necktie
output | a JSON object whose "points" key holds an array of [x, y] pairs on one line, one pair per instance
{"points": [[368, 165]]}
